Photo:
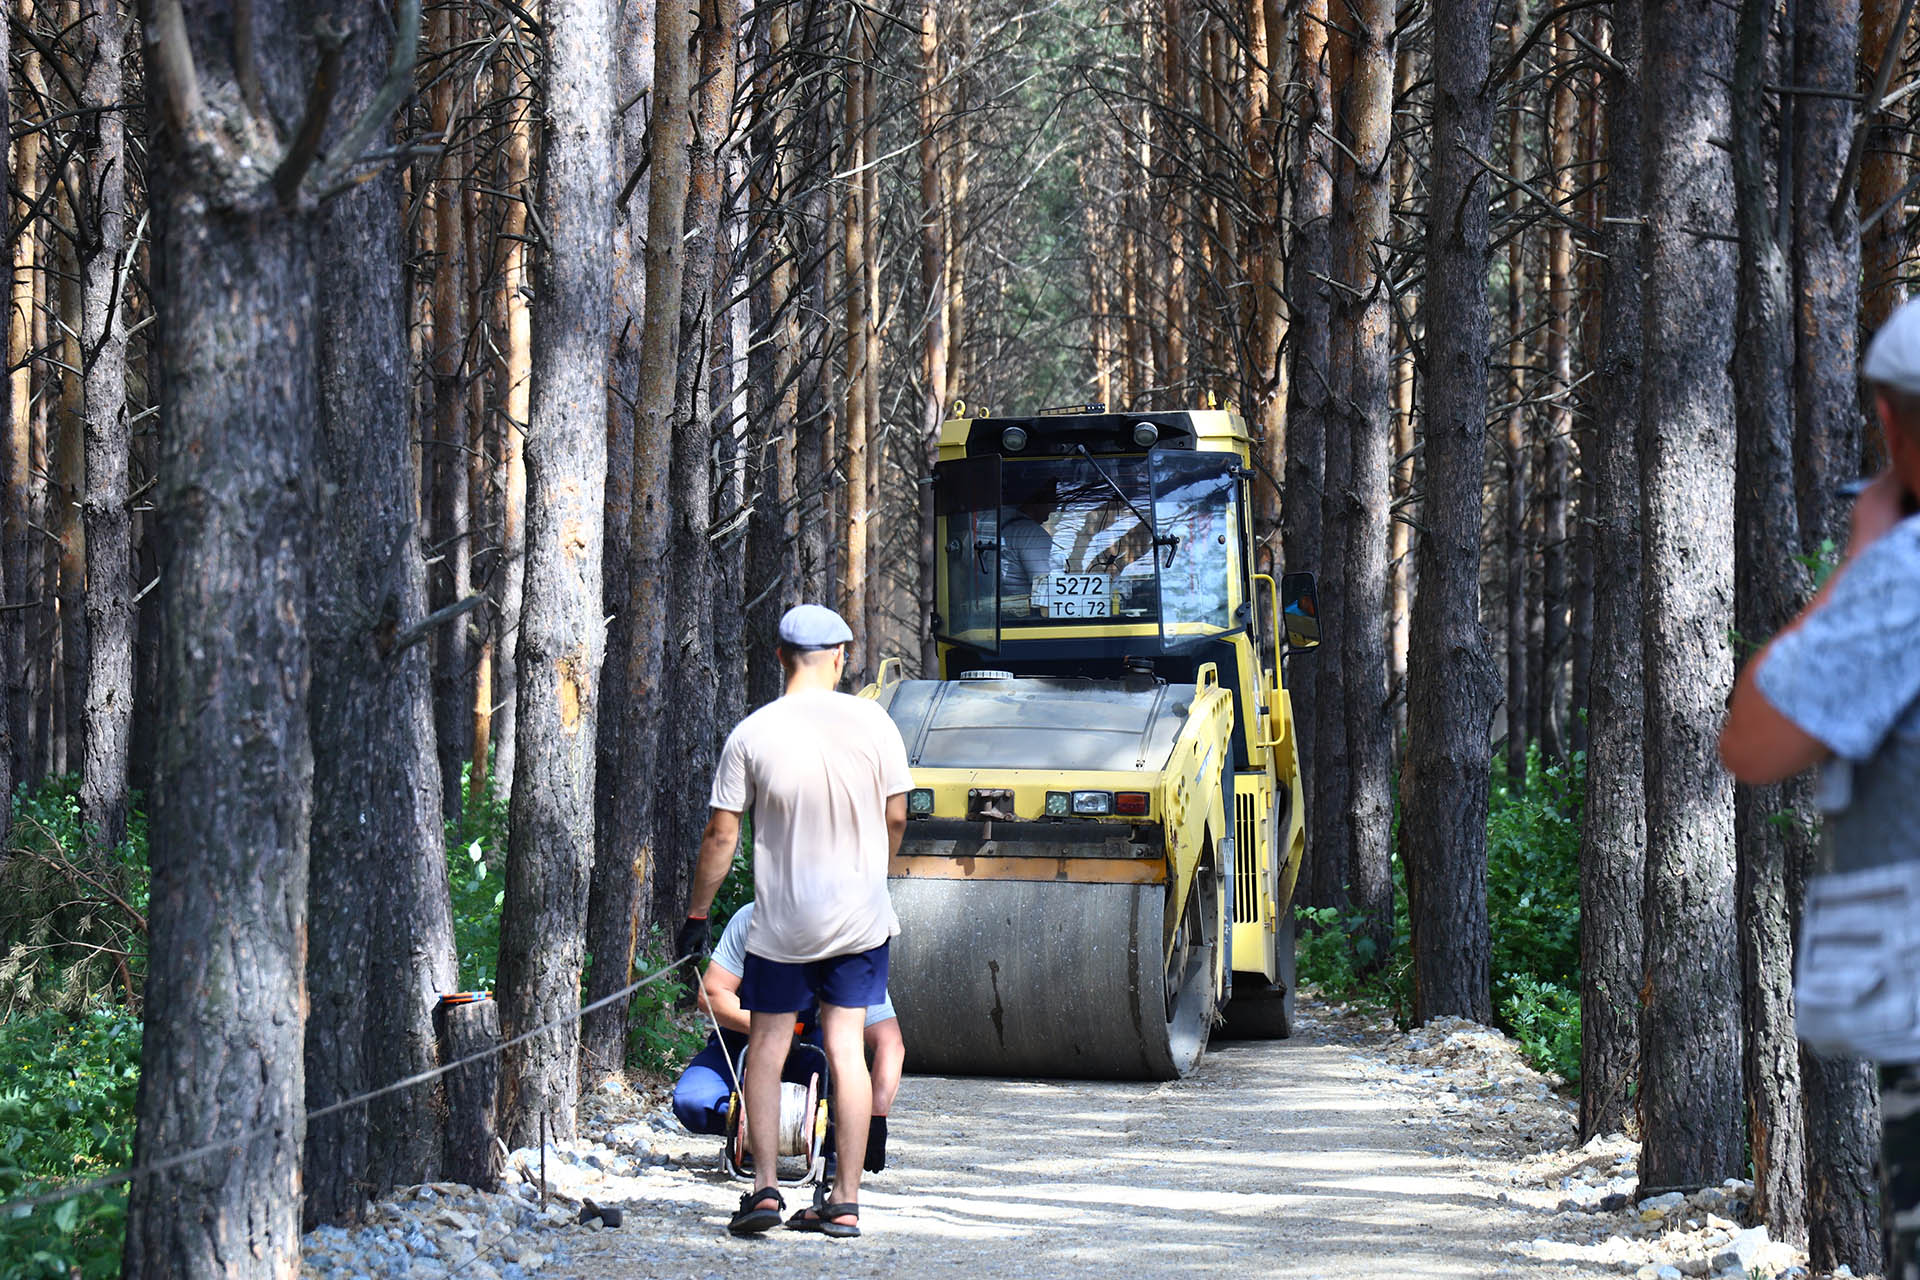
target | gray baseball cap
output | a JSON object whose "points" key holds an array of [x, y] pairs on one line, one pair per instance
{"points": [[1893, 357], [813, 626]]}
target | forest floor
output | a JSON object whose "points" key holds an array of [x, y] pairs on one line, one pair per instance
{"points": [[1350, 1150]]}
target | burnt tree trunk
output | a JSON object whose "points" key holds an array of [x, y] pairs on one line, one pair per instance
{"points": [[1451, 681], [233, 797], [1613, 833], [550, 819], [1838, 1095], [1769, 585], [1309, 265], [688, 722], [381, 949], [933, 339], [1690, 1027], [1363, 640], [105, 509], [618, 884]]}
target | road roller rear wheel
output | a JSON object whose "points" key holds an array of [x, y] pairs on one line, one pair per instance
{"points": [[1263, 1010]]}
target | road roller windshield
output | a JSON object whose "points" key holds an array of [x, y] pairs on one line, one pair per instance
{"points": [[1031, 546]]}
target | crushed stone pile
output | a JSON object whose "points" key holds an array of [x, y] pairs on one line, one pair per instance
{"points": [[625, 1158], [1473, 1090]]}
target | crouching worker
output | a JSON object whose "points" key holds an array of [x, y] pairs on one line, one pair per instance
{"points": [[701, 1095]]}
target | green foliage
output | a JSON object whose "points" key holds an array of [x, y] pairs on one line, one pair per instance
{"points": [[1533, 873], [67, 1091], [72, 917], [660, 1036], [476, 855], [1533, 908], [1545, 1018]]}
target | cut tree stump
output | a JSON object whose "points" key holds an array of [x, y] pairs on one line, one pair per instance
{"points": [[465, 1028]]}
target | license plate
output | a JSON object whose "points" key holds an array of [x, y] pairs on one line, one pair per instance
{"points": [[1079, 595]]}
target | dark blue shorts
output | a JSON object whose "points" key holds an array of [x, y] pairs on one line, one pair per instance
{"points": [[851, 982]]}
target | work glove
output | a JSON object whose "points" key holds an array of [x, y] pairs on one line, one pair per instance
{"points": [[694, 939], [876, 1145]]}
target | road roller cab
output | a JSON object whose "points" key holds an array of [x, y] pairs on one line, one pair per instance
{"points": [[1106, 824]]}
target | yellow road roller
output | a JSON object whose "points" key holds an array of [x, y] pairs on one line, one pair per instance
{"points": [[1106, 822]]}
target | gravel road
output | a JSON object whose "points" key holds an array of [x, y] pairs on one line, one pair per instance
{"points": [[1311, 1157]]}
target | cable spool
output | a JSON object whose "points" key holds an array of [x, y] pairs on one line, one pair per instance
{"points": [[796, 1119]]}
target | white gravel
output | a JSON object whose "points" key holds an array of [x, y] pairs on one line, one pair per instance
{"points": [[1351, 1150]]}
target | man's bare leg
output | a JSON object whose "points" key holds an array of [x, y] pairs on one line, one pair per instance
{"points": [[843, 1034], [768, 1040]]}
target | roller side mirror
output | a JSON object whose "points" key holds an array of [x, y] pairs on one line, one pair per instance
{"points": [[1300, 612]]}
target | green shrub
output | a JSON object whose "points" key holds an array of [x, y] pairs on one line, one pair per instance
{"points": [[1545, 1018], [67, 1091], [72, 916], [476, 856], [1533, 910]]}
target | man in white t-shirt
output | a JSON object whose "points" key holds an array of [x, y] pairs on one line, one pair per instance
{"points": [[825, 775]]}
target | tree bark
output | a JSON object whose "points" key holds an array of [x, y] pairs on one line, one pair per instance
{"points": [[1558, 469], [1363, 647], [1613, 833], [690, 733], [381, 950], [452, 524], [1451, 681], [617, 892], [1690, 1035], [1518, 713], [1310, 264], [562, 634], [1769, 585], [933, 341], [108, 517], [1837, 1095], [518, 376], [1886, 166], [19, 542], [852, 596], [11, 635], [221, 1057]]}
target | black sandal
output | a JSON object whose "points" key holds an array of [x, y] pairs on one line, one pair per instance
{"points": [[820, 1217], [750, 1219]]}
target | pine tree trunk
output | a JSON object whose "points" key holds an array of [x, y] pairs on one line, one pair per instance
{"points": [[550, 824], [108, 516], [1519, 705], [11, 651], [380, 927], [1310, 263], [19, 542], [1690, 1035], [1613, 832], [1837, 1094], [1769, 585], [617, 893], [852, 596], [452, 523], [221, 1056], [1886, 165], [1451, 682], [1363, 648], [517, 374], [690, 739], [1558, 471], [933, 341]]}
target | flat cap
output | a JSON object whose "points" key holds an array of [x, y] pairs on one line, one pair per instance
{"points": [[1893, 357], [813, 626]]}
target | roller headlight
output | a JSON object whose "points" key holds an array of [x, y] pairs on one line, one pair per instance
{"points": [[920, 802], [1013, 439], [1092, 802], [1145, 434], [1059, 804]]}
